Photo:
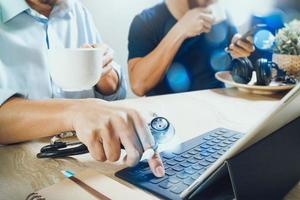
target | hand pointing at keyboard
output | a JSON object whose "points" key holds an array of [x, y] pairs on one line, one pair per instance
{"points": [[104, 134]]}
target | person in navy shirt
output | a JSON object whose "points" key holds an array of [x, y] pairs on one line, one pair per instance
{"points": [[176, 46]]}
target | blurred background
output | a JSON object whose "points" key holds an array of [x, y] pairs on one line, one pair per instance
{"points": [[113, 18]]}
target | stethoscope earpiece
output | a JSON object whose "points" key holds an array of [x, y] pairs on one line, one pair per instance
{"points": [[161, 129]]}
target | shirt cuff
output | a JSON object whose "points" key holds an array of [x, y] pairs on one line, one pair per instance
{"points": [[122, 87], [7, 94]]}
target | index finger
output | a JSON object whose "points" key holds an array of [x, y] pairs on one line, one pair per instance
{"points": [[148, 143]]}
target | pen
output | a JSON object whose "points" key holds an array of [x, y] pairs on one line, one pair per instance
{"points": [[84, 186]]}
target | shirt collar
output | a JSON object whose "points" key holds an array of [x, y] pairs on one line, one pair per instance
{"points": [[12, 8]]}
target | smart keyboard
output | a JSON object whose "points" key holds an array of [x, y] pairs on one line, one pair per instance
{"points": [[183, 165]]}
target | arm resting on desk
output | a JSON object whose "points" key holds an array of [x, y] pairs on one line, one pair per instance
{"points": [[101, 126], [23, 120]]}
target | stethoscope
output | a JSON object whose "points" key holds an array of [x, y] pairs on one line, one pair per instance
{"points": [[162, 130]]}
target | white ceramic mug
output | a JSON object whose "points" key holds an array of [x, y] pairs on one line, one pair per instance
{"points": [[75, 69], [218, 12]]}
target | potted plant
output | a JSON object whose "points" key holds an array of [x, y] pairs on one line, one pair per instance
{"points": [[287, 49]]}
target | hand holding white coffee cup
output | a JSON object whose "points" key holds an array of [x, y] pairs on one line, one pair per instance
{"points": [[79, 69], [107, 56], [75, 69]]}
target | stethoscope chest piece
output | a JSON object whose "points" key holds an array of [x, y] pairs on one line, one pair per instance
{"points": [[161, 129]]}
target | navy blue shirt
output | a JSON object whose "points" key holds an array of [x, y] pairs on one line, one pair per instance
{"points": [[197, 60]]}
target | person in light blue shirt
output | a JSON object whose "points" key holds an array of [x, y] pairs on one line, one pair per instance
{"points": [[32, 106], [24, 33]]}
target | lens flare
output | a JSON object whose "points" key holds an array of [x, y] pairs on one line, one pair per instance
{"points": [[218, 34], [178, 78], [220, 60], [264, 40]]}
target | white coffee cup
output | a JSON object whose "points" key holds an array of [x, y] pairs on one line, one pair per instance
{"points": [[75, 69], [219, 13]]}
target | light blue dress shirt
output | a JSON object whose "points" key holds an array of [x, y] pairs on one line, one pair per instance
{"points": [[25, 34]]}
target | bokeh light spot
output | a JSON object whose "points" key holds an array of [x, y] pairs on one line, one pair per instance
{"points": [[264, 40], [218, 34], [178, 78], [220, 60]]}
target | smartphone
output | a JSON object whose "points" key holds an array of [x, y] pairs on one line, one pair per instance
{"points": [[250, 33], [253, 30]]}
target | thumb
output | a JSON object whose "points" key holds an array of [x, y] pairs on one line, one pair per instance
{"points": [[235, 38]]}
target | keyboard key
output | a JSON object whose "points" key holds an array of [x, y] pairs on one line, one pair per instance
{"points": [[171, 162], [190, 170], [204, 146], [222, 145], [210, 159], [168, 155], [221, 152], [216, 156], [216, 148], [197, 149], [195, 176], [223, 130], [228, 134], [213, 134], [226, 148], [174, 180], [208, 137], [179, 159], [166, 184], [170, 172], [216, 140], [197, 166], [199, 157], [192, 160], [210, 143], [204, 163], [156, 180], [211, 151], [192, 152], [179, 188], [185, 164], [227, 142], [204, 153], [222, 137], [219, 132], [232, 139], [188, 181], [238, 136], [178, 168], [186, 155], [182, 175]]}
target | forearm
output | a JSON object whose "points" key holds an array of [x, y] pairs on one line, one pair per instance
{"points": [[23, 120], [149, 70]]}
